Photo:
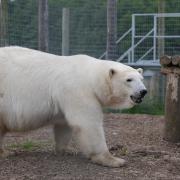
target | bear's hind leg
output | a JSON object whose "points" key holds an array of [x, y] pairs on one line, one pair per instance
{"points": [[1, 141], [62, 135], [3, 153]]}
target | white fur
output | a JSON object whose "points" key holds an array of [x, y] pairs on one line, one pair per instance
{"points": [[37, 89]]}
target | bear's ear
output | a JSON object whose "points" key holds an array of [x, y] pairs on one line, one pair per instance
{"points": [[140, 70], [112, 72]]}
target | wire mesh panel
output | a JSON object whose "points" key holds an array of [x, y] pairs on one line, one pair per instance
{"points": [[88, 25], [143, 26], [172, 35], [90, 38], [152, 35], [22, 23]]}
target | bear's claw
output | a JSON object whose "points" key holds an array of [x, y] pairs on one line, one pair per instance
{"points": [[106, 159]]}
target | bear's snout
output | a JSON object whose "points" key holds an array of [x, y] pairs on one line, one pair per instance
{"points": [[143, 93], [137, 97]]}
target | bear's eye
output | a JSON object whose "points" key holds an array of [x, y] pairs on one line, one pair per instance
{"points": [[129, 80]]}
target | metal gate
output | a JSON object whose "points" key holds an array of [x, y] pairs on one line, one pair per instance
{"points": [[146, 34]]}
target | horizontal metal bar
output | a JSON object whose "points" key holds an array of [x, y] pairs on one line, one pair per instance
{"points": [[168, 15], [159, 14], [148, 14], [124, 35], [147, 64], [175, 36]]}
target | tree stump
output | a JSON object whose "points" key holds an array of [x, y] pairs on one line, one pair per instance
{"points": [[170, 66]]}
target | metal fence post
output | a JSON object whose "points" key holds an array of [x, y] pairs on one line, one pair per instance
{"points": [[43, 27], [154, 37], [161, 28], [3, 22], [65, 31], [111, 47], [133, 38]]}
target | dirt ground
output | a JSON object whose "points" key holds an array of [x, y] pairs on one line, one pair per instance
{"points": [[136, 138]]}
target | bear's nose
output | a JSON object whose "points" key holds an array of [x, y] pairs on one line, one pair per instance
{"points": [[143, 92]]}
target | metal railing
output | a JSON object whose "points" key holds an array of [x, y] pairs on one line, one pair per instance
{"points": [[130, 55], [118, 41], [131, 49]]}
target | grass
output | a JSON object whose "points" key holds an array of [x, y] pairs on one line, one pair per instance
{"points": [[149, 106], [28, 145]]}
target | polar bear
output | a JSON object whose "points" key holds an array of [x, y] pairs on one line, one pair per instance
{"points": [[68, 92]]}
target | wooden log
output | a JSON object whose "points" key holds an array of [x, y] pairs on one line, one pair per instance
{"points": [[176, 60], [165, 60], [168, 70], [172, 108], [165, 70]]}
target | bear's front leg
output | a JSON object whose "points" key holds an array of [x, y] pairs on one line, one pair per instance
{"points": [[106, 159], [93, 145], [88, 128]]}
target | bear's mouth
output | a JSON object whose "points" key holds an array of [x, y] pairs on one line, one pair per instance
{"points": [[136, 99]]}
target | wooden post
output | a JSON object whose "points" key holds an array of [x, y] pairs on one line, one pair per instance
{"points": [[65, 32], [111, 47], [172, 100], [43, 32], [3, 22], [161, 28]]}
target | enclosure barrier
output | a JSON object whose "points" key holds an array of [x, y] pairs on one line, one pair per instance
{"points": [[170, 66]]}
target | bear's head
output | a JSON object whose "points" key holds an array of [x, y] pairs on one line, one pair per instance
{"points": [[124, 87]]}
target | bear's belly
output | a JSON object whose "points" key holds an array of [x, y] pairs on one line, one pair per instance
{"points": [[23, 123]]}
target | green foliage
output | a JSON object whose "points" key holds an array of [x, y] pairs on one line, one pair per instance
{"points": [[149, 106], [22, 23], [152, 107], [87, 23], [28, 145]]}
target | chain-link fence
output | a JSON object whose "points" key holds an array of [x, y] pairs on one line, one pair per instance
{"points": [[88, 25], [88, 29]]}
